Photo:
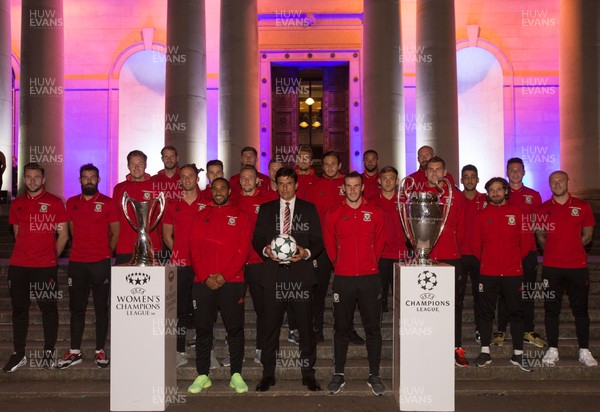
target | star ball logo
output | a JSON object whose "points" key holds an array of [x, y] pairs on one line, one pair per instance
{"points": [[427, 280], [136, 279], [427, 301]]}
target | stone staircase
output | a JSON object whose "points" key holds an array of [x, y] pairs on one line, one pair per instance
{"points": [[501, 371]]}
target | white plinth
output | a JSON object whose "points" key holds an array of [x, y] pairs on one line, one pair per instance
{"points": [[143, 310], [423, 361]]}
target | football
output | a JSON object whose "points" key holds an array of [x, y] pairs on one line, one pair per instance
{"points": [[283, 247]]}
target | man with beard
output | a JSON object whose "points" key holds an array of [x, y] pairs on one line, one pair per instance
{"points": [[424, 154], [248, 156], [371, 174], [354, 238], [39, 222], [167, 179], [500, 245], [94, 227], [219, 249]]}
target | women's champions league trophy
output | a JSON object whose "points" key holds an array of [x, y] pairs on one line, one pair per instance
{"points": [[143, 253], [423, 216]]}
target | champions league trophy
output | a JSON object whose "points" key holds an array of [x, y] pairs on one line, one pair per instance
{"points": [[143, 253], [423, 216]]}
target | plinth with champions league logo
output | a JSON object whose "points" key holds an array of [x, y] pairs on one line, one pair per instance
{"points": [[143, 375], [423, 357]]}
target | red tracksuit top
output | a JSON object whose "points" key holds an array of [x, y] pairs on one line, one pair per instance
{"points": [[220, 242], [251, 205], [371, 185], [395, 241], [354, 239], [528, 201], [498, 241], [326, 194], [472, 209]]}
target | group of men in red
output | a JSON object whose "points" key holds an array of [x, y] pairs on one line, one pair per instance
{"points": [[349, 224]]}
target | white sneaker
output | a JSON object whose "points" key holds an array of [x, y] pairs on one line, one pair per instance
{"points": [[257, 356], [181, 359], [214, 362], [551, 357], [585, 357]]}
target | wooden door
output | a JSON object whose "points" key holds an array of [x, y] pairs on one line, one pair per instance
{"points": [[284, 128], [336, 112]]}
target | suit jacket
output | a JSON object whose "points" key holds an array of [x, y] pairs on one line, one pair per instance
{"points": [[306, 229]]}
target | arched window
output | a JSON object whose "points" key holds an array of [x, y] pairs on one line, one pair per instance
{"points": [[142, 109], [480, 112]]}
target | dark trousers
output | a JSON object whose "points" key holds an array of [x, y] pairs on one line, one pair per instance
{"points": [[347, 292], [83, 277], [576, 282], [25, 283], [471, 265], [277, 300], [510, 287], [529, 278], [460, 286], [386, 271], [185, 316], [252, 274], [229, 299], [324, 268]]}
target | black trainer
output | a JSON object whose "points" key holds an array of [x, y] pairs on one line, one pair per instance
{"points": [[483, 359], [377, 387], [15, 362], [522, 362], [336, 384]]}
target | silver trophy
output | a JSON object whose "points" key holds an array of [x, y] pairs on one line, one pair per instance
{"points": [[423, 216], [143, 254]]}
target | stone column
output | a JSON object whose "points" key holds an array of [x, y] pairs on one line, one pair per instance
{"points": [[579, 75], [436, 92], [238, 82], [41, 132], [6, 94], [383, 92], [185, 88]]}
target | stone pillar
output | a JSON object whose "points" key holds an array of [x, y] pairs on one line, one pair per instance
{"points": [[185, 88], [383, 92], [579, 75], [5, 95], [238, 82], [436, 92], [41, 132]]}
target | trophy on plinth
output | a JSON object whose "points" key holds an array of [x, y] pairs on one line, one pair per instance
{"points": [[423, 216], [143, 253]]}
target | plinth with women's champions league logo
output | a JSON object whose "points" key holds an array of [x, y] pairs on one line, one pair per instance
{"points": [[423, 357], [143, 310]]}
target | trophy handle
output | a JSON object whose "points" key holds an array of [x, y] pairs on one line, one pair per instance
{"points": [[125, 200], [447, 205], [161, 202]]}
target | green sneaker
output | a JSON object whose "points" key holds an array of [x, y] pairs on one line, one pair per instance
{"points": [[238, 383], [201, 382]]}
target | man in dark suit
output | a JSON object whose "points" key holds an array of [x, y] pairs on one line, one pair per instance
{"points": [[290, 282]]}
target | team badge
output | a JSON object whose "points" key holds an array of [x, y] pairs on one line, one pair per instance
{"points": [[528, 199], [44, 207], [98, 207], [201, 206], [341, 190], [69, 282], [259, 182], [194, 305], [575, 211], [367, 216], [481, 288], [256, 209], [511, 220], [231, 220], [336, 298], [146, 195]]}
